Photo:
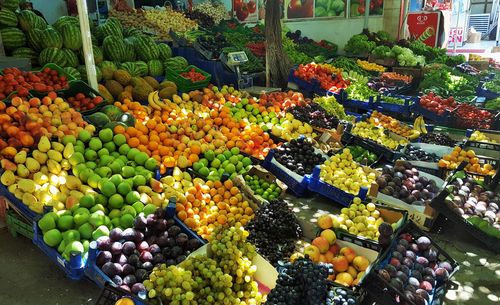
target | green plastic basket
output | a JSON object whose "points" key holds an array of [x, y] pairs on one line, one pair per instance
{"points": [[184, 84], [18, 226]]}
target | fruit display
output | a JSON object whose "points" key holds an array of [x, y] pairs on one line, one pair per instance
{"points": [[360, 91], [362, 155], [438, 139], [193, 75], [81, 102], [268, 191], [475, 203], [216, 11], [299, 156], [478, 136], [407, 184], [230, 162], [274, 231], [358, 219], [470, 116], [340, 296], [21, 82], [301, 282], [128, 256], [413, 153], [315, 115], [369, 66], [390, 123], [386, 85], [396, 77], [377, 134], [343, 173], [322, 74], [437, 104], [444, 81], [459, 155], [281, 101], [212, 277], [332, 107], [289, 128], [415, 268]]}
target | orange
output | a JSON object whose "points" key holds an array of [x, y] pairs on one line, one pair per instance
{"points": [[119, 129], [134, 142], [182, 215], [221, 219], [228, 184]]}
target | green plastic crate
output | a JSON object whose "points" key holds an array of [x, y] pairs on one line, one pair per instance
{"points": [[184, 84], [18, 226]]}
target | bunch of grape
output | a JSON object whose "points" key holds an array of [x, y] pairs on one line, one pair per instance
{"points": [[340, 296], [224, 276], [274, 231], [301, 282], [332, 107]]}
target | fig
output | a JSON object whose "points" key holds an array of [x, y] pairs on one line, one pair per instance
{"points": [[397, 255], [385, 229], [117, 280], [447, 266], [141, 274], [410, 254], [423, 293], [128, 234], [402, 276], [422, 261], [391, 269], [395, 262], [416, 274], [397, 283]]}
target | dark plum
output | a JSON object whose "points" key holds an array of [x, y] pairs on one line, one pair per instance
{"points": [[181, 239], [423, 243], [397, 255], [160, 213], [125, 287], [404, 243], [409, 295], [414, 247], [103, 257], [414, 282], [405, 270], [391, 269], [401, 249], [180, 259], [138, 288], [141, 274], [424, 294], [128, 234], [397, 283], [428, 271], [128, 269], [193, 244], [446, 266], [115, 234], [104, 243], [173, 231], [129, 280], [441, 274], [118, 268], [418, 300], [384, 274], [120, 259], [170, 242], [176, 251], [385, 229], [142, 246], [154, 248], [426, 286], [140, 222], [148, 266], [410, 254], [162, 239], [158, 259], [160, 225], [170, 222], [395, 262], [423, 261], [402, 276], [416, 274], [151, 240], [133, 260], [128, 248], [110, 269], [117, 280], [170, 262], [116, 248], [139, 236], [146, 256], [408, 262]]}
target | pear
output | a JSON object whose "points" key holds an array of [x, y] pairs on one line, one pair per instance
{"points": [[8, 178], [32, 165], [63, 190], [157, 199], [40, 178], [65, 165], [44, 169], [40, 156], [19, 194], [27, 185], [144, 189], [54, 167], [22, 171], [54, 155], [76, 194], [44, 144], [73, 183], [85, 188], [29, 199], [8, 165], [12, 188], [68, 150], [57, 146], [20, 157]]}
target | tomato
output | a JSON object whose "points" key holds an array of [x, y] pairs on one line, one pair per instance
{"points": [[251, 6]]}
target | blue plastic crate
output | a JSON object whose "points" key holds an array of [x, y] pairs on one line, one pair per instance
{"points": [[404, 109], [489, 95], [443, 120], [94, 273], [17, 204], [74, 268], [305, 86], [329, 191], [380, 150], [295, 185]]}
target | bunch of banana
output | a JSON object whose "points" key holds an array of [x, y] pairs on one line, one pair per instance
{"points": [[419, 125], [354, 76], [156, 103]]}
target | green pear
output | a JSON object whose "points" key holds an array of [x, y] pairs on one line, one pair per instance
{"points": [[40, 156], [22, 171], [20, 157], [44, 144], [32, 165]]}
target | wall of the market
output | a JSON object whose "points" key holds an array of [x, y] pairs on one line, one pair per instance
{"points": [[52, 9]]}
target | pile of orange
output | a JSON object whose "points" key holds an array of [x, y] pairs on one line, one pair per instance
{"points": [[139, 111], [459, 155], [214, 203]]}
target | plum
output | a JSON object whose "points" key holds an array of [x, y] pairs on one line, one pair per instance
{"points": [[120, 259], [143, 246], [173, 231], [384, 274], [117, 280], [166, 252], [429, 278], [418, 300], [423, 261], [414, 247], [140, 222], [128, 269], [385, 229], [110, 269], [397, 255], [405, 270], [129, 280], [423, 243], [391, 269], [428, 271], [170, 262], [128, 234], [404, 243], [423, 293], [103, 257], [115, 234], [402, 276], [409, 295], [139, 236], [116, 248], [181, 239], [180, 259], [154, 249], [419, 268], [408, 262], [397, 283], [416, 274], [128, 247], [158, 259], [133, 260], [118, 268], [407, 237], [160, 225], [159, 214], [148, 266], [138, 288], [384, 241], [170, 222], [431, 255], [193, 244], [401, 249], [410, 254], [125, 287], [176, 251], [414, 282], [141, 274], [104, 243], [447, 266], [146, 256], [426, 286], [441, 274], [162, 239]]}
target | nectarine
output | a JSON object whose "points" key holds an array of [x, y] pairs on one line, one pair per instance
{"points": [[360, 263], [340, 263], [325, 221], [312, 252], [344, 278], [322, 244], [329, 235], [348, 253]]}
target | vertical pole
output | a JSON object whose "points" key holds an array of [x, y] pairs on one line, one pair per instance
{"points": [[87, 43], [367, 13], [402, 10]]}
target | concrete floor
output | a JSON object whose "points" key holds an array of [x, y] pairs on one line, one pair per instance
{"points": [[27, 277]]}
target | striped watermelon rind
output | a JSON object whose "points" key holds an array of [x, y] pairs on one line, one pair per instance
{"points": [[83, 73], [27, 20], [52, 55], [8, 18], [165, 51], [10, 4], [51, 38], [146, 48], [114, 48], [155, 68], [72, 72], [131, 68], [33, 37], [12, 38], [66, 20], [25, 52], [71, 58], [71, 36], [142, 68]]}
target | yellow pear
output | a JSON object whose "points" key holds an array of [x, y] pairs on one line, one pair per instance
{"points": [[27, 185], [54, 155], [40, 156], [57, 146], [19, 194], [40, 178], [54, 167], [73, 183], [22, 171], [20, 157], [29, 199], [185, 97], [65, 165], [8, 178], [76, 194], [177, 99], [85, 188], [12, 188], [68, 150], [32, 165], [44, 144]]}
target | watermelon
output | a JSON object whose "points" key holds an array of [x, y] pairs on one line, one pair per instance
{"points": [[165, 51], [72, 72], [51, 38], [71, 36], [29, 20], [8, 18], [155, 67], [146, 48], [10, 4], [141, 68], [130, 67], [114, 48], [12, 38], [24, 52], [71, 58], [129, 32], [107, 69], [83, 73], [109, 28], [129, 50], [52, 55], [177, 63], [33, 36], [66, 20], [98, 55]]}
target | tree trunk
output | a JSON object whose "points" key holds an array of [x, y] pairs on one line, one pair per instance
{"points": [[278, 64]]}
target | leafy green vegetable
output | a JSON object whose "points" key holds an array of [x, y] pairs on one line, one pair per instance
{"points": [[493, 104], [359, 44], [382, 52]]}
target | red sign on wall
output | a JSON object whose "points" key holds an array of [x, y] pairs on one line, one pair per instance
{"points": [[424, 26]]}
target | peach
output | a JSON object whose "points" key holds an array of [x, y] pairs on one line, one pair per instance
{"points": [[360, 263], [344, 278], [352, 271], [322, 258], [335, 248], [325, 221], [329, 235], [329, 256], [340, 263], [312, 252], [348, 253], [322, 244]]}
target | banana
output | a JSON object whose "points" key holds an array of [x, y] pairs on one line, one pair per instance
{"points": [[423, 127], [151, 101]]}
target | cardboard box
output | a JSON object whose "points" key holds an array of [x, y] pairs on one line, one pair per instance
{"points": [[261, 173], [474, 37]]}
